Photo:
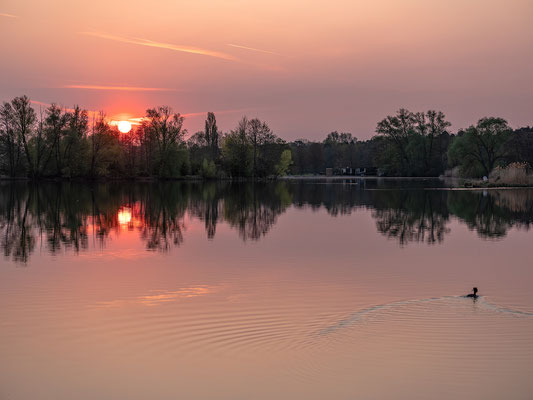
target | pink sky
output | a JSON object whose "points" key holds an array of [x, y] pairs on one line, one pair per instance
{"points": [[305, 67]]}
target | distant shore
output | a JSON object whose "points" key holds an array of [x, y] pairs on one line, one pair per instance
{"points": [[449, 183]]}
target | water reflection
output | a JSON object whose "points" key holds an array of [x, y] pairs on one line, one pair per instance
{"points": [[66, 216]]}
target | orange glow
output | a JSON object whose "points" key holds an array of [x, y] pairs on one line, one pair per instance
{"points": [[124, 215], [124, 127]]}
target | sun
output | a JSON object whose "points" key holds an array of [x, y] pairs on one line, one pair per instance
{"points": [[124, 126]]}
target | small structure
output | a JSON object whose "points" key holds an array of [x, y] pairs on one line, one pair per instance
{"points": [[329, 171], [348, 171]]}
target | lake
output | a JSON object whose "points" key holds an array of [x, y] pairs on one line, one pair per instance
{"points": [[305, 289]]}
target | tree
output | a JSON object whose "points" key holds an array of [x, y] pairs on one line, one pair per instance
{"points": [[237, 151], [209, 169], [416, 139], [212, 135], [10, 146], [284, 163], [477, 150], [73, 148], [519, 147], [399, 129], [430, 126], [260, 135], [54, 129], [339, 149], [106, 150], [167, 129], [23, 117]]}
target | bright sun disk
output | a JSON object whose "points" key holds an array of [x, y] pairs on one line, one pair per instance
{"points": [[124, 126]]}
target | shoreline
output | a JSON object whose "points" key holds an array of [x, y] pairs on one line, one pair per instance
{"points": [[449, 182]]}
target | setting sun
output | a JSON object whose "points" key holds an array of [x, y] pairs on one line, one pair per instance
{"points": [[124, 126]]}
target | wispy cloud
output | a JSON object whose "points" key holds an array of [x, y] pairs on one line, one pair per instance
{"points": [[168, 46], [252, 49], [8, 15], [119, 88]]}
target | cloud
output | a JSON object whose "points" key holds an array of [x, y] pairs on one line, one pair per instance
{"points": [[8, 15], [252, 49], [168, 46], [118, 88]]}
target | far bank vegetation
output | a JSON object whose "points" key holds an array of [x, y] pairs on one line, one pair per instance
{"points": [[58, 143]]}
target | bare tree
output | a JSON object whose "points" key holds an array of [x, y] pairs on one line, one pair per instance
{"points": [[10, 146], [23, 122]]}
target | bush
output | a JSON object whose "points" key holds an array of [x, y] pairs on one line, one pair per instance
{"points": [[209, 169], [516, 173]]}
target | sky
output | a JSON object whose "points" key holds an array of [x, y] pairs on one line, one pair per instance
{"points": [[306, 67]]}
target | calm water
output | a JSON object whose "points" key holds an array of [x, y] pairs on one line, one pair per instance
{"points": [[289, 290]]}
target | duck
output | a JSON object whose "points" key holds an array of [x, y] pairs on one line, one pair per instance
{"points": [[473, 295]]}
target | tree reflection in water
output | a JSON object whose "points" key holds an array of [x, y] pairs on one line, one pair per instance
{"points": [[62, 216]]}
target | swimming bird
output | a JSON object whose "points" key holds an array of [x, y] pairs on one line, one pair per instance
{"points": [[473, 295]]}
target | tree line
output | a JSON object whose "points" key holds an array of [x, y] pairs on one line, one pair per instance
{"points": [[419, 144], [67, 143]]}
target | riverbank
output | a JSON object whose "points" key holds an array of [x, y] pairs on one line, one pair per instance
{"points": [[452, 183]]}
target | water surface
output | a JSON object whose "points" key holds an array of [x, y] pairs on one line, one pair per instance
{"points": [[297, 289]]}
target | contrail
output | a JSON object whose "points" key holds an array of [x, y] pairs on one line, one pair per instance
{"points": [[252, 49], [168, 46], [8, 15]]}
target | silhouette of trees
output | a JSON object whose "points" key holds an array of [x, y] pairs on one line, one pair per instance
{"points": [[63, 143]]}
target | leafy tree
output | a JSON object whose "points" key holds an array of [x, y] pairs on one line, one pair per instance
{"points": [[212, 135], [519, 146], [399, 129], [166, 128], [339, 149], [284, 163], [478, 149], [417, 139], [237, 151], [209, 169]]}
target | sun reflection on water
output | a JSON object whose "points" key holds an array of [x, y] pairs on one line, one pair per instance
{"points": [[124, 216]]}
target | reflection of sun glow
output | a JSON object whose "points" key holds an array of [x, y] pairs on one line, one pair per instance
{"points": [[124, 216]]}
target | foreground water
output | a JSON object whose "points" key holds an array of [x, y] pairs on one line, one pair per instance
{"points": [[287, 290]]}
